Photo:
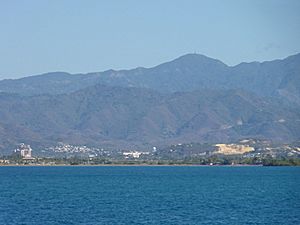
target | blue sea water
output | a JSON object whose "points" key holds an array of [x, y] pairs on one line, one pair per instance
{"points": [[150, 195]]}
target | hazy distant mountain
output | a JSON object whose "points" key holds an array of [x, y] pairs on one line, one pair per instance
{"points": [[49, 83], [187, 73], [120, 117], [193, 98]]}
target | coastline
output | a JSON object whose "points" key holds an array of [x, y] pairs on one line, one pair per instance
{"points": [[133, 165]]}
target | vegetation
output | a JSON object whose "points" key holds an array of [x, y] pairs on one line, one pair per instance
{"points": [[214, 160], [282, 162]]}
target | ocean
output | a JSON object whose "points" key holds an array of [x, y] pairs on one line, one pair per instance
{"points": [[150, 195]]}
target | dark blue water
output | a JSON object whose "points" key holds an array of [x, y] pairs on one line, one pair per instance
{"points": [[150, 195]]}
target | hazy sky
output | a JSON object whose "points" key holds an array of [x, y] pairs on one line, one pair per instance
{"points": [[83, 36]]}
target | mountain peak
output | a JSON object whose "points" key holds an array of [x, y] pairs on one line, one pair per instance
{"points": [[194, 58]]}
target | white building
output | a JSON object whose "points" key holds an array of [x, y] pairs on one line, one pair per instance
{"points": [[25, 151]]}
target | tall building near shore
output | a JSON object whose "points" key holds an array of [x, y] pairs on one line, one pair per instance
{"points": [[25, 151]]}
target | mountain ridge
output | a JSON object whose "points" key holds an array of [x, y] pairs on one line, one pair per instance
{"points": [[193, 98], [186, 73]]}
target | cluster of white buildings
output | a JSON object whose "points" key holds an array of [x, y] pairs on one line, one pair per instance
{"points": [[134, 154], [66, 148]]}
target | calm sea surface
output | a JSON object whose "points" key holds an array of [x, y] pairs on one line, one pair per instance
{"points": [[150, 195]]}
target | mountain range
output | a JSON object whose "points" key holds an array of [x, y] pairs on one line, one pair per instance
{"points": [[193, 98]]}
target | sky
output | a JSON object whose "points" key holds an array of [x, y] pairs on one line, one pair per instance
{"points": [[39, 36]]}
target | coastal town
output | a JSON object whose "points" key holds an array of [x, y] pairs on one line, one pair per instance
{"points": [[247, 151]]}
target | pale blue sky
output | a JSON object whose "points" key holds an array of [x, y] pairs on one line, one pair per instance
{"points": [[38, 36]]}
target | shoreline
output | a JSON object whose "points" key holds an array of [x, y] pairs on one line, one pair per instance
{"points": [[132, 165]]}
